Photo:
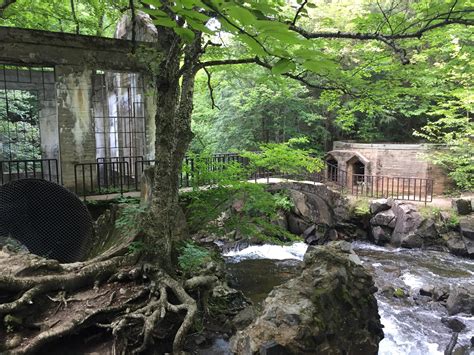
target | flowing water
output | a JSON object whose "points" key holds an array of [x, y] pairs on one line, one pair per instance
{"points": [[412, 324]]}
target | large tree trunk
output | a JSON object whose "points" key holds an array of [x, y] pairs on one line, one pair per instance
{"points": [[132, 317], [173, 136]]}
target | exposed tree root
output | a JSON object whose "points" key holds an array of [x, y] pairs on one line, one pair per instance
{"points": [[132, 301]]}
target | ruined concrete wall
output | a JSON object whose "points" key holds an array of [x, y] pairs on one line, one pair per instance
{"points": [[67, 125], [145, 31], [33, 47], [394, 160], [76, 133]]}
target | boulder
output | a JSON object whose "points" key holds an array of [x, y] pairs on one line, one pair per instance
{"points": [[380, 205], [466, 225], [311, 207], [462, 206], [381, 234], [455, 243], [407, 221], [311, 230], [296, 225], [428, 232], [244, 317], [385, 218], [281, 220], [461, 300], [454, 324], [411, 241], [329, 309], [469, 244]]}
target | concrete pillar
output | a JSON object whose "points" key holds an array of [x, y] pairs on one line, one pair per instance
{"points": [[76, 123], [150, 115]]}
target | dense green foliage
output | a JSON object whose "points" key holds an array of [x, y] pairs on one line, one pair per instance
{"points": [[364, 70], [192, 257], [232, 204], [286, 158], [90, 17], [19, 126]]}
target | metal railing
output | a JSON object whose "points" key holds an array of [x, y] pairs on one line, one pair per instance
{"points": [[46, 169], [380, 186], [101, 178], [119, 175]]}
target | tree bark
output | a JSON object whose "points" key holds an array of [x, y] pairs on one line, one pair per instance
{"points": [[175, 89]]}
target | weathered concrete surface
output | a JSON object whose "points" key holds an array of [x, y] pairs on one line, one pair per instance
{"points": [[76, 134], [33, 47]]}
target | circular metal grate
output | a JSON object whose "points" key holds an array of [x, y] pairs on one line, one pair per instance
{"points": [[46, 218]]}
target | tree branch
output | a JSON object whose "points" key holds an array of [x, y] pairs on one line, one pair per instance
{"points": [[214, 63], [263, 64], [74, 16], [238, 28], [381, 37], [303, 4], [211, 90]]}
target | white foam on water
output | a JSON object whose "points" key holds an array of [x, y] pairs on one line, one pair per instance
{"points": [[294, 251], [398, 341], [414, 282], [367, 246]]}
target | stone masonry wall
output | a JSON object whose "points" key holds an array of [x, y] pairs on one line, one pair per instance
{"points": [[394, 160]]}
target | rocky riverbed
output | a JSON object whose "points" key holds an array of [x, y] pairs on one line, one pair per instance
{"points": [[414, 288]]}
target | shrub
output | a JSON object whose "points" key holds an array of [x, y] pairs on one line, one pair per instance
{"points": [[285, 158], [192, 257]]}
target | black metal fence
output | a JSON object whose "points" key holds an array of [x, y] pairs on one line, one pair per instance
{"points": [[101, 178], [379, 186], [119, 175], [46, 169]]}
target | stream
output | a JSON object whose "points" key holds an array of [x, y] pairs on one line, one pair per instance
{"points": [[412, 325]]}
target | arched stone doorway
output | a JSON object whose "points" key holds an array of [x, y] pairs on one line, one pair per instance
{"points": [[332, 168], [357, 169]]}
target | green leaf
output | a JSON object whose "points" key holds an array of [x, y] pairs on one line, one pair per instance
{"points": [[254, 46], [155, 12], [165, 22], [185, 33], [241, 14], [199, 26], [317, 65], [283, 66], [155, 3]]}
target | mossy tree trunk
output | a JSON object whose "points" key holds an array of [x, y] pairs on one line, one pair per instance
{"points": [[175, 88]]}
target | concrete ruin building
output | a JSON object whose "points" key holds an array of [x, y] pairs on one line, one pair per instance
{"points": [[68, 102], [399, 169]]}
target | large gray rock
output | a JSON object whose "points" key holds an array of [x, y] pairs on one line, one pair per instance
{"points": [[466, 225], [380, 205], [455, 244], [462, 206], [385, 218], [329, 309], [461, 300], [408, 221], [296, 224], [411, 241], [311, 207], [381, 234], [454, 324]]}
